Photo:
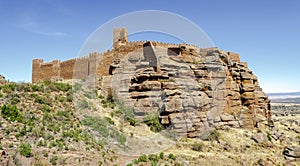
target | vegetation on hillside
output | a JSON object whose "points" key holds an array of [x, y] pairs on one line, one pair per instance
{"points": [[56, 123]]}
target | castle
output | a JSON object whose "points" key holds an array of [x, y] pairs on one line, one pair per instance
{"points": [[88, 65], [191, 88]]}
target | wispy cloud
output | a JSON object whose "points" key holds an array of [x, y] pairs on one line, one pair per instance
{"points": [[29, 24]]}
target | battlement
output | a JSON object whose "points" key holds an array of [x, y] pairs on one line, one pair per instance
{"points": [[72, 68], [98, 63]]}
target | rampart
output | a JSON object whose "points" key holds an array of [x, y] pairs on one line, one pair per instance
{"points": [[98, 63], [73, 68]]}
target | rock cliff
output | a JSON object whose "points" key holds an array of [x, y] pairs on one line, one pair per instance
{"points": [[191, 89]]}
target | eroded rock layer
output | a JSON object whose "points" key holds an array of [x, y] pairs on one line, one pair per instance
{"points": [[192, 89]]}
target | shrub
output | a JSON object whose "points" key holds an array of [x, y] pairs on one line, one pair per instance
{"points": [[25, 150], [83, 104], [212, 135], [44, 108], [152, 121], [11, 113], [109, 120], [23, 131], [39, 99], [131, 121], [127, 113], [52, 144], [172, 156], [37, 88], [46, 154], [104, 128], [153, 158], [199, 147], [62, 86], [53, 160], [161, 155], [40, 143], [15, 99], [269, 135], [8, 88], [142, 158], [69, 97]]}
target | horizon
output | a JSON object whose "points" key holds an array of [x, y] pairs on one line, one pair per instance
{"points": [[263, 33]]}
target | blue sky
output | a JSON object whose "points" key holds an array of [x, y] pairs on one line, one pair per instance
{"points": [[266, 33]]}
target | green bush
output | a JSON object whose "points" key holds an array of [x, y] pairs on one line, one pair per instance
{"points": [[161, 155], [8, 88], [44, 108], [62, 86], [128, 114], [104, 128], [53, 160], [172, 156], [40, 143], [52, 144], [23, 131], [153, 159], [42, 100], [98, 124], [37, 88], [15, 99], [152, 121], [109, 120], [69, 97], [25, 150], [11, 113], [142, 158]]}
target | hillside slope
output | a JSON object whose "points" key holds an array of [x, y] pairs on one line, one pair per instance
{"points": [[60, 123]]}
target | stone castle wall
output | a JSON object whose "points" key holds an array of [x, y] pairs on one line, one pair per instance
{"points": [[71, 69], [95, 63], [223, 91]]}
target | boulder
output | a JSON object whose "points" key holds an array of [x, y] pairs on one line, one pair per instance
{"points": [[292, 152], [260, 137]]}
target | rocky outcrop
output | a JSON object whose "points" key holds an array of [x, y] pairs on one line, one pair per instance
{"points": [[2, 79], [292, 153], [192, 89]]}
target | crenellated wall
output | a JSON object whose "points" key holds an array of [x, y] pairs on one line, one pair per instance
{"points": [[98, 63], [74, 68]]}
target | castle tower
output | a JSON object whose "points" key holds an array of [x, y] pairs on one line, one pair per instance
{"points": [[36, 69], [120, 37]]}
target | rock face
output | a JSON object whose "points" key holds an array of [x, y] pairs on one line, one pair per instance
{"points": [[192, 89]]}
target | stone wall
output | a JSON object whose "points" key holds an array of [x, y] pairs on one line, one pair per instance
{"points": [[71, 69]]}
